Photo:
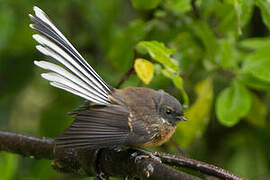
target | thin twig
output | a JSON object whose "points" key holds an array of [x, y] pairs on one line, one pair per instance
{"points": [[125, 77], [129, 72], [181, 161], [178, 148], [195, 9], [209, 169]]}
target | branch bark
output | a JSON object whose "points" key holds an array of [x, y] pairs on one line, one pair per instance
{"points": [[111, 161]]}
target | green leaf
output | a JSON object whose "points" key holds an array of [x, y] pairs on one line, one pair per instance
{"points": [[144, 70], [121, 51], [189, 52], [228, 20], [207, 7], [145, 4], [258, 64], [256, 43], [243, 11], [232, 104], [253, 82], [257, 113], [8, 165], [264, 6], [205, 34], [159, 52], [178, 6], [232, 15], [160, 14], [197, 115], [227, 55], [178, 82]]}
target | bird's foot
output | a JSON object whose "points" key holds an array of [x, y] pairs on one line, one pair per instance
{"points": [[155, 157], [145, 155]]}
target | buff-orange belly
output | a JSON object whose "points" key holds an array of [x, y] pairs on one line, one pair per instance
{"points": [[161, 137]]}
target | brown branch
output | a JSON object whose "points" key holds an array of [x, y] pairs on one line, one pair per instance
{"points": [[111, 161], [181, 161], [125, 77], [85, 162], [197, 165], [144, 168], [26, 145]]}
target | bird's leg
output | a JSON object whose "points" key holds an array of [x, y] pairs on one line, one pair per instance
{"points": [[100, 174]]}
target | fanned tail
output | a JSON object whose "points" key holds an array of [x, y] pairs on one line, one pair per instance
{"points": [[77, 76]]}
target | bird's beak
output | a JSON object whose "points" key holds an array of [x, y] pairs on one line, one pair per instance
{"points": [[184, 119], [181, 118]]}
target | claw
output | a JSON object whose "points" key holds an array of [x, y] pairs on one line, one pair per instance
{"points": [[140, 157], [148, 155], [145, 155], [155, 157]]}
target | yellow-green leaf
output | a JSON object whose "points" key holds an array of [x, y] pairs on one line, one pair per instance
{"points": [[197, 114], [159, 52], [144, 70]]}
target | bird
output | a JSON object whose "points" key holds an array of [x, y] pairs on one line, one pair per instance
{"points": [[132, 116]]}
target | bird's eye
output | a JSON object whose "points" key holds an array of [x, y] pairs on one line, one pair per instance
{"points": [[168, 111]]}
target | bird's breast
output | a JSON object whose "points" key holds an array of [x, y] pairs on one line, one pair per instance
{"points": [[163, 135]]}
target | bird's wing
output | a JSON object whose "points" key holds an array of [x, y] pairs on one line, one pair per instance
{"points": [[74, 75], [102, 126]]}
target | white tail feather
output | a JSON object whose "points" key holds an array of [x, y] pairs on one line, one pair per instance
{"points": [[54, 77], [79, 77], [43, 16], [59, 70], [40, 14], [66, 88], [66, 60]]}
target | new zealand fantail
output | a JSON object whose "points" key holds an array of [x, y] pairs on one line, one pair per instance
{"points": [[129, 116]]}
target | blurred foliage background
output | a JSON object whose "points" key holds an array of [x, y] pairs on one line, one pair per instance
{"points": [[216, 61]]}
